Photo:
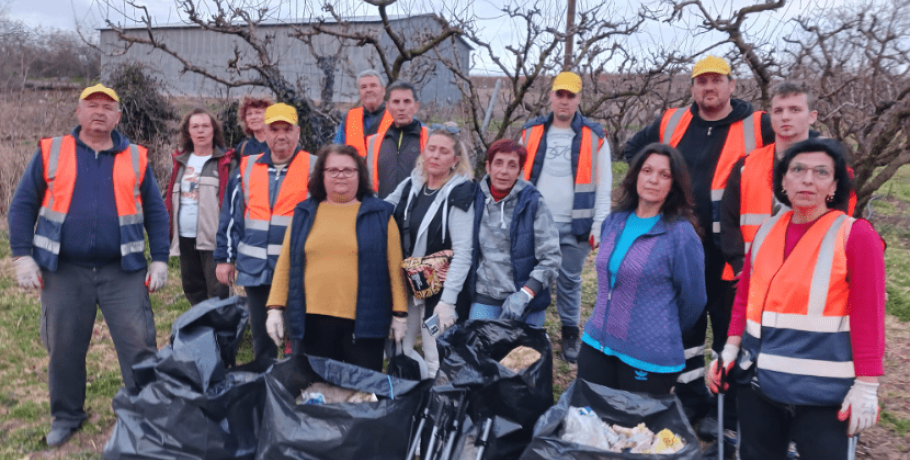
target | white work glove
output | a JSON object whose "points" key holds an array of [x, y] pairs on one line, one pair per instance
{"points": [[514, 305], [399, 328], [447, 315], [274, 325], [27, 273], [156, 277], [729, 355], [861, 406]]}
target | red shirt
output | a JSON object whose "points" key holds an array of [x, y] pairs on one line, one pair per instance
{"points": [[866, 301]]}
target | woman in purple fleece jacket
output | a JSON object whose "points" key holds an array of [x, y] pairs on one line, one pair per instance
{"points": [[651, 284]]}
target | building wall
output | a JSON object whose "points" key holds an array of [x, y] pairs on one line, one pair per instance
{"points": [[296, 60]]}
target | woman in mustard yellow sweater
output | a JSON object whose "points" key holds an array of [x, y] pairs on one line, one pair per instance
{"points": [[338, 276]]}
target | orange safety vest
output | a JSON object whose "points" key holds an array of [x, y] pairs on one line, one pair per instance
{"points": [[354, 132], [797, 318], [374, 147], [60, 169]]}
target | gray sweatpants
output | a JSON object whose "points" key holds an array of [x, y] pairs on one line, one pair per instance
{"points": [[69, 302]]}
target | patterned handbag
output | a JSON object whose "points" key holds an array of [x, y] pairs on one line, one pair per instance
{"points": [[427, 274]]}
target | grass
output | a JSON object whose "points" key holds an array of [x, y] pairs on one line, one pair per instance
{"points": [[899, 425]]}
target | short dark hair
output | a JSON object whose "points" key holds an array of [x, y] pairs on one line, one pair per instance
{"points": [[834, 149], [185, 142], [679, 203], [507, 146], [316, 186], [399, 85], [793, 88], [247, 104]]}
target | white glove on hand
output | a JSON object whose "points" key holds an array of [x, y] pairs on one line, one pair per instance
{"points": [[399, 328], [157, 276], [514, 305], [447, 315], [729, 355], [27, 273], [274, 325], [861, 406]]}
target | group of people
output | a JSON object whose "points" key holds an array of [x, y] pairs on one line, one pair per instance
{"points": [[385, 232]]}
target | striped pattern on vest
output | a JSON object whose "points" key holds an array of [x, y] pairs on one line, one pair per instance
{"points": [[374, 147], [59, 160], [743, 137], [584, 164], [797, 319], [265, 225], [354, 134]]}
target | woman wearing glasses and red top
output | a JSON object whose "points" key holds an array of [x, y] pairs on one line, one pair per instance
{"points": [[434, 211], [339, 273], [806, 338]]}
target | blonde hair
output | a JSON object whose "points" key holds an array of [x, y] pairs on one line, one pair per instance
{"points": [[462, 166]]}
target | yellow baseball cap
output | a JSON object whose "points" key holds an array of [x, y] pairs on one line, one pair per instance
{"points": [[99, 88], [711, 64], [568, 81], [280, 112]]}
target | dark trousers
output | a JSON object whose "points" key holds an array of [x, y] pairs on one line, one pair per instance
{"points": [[197, 272], [332, 337], [69, 302], [264, 350], [766, 428], [610, 371]]}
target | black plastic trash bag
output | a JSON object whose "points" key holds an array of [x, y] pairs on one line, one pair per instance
{"points": [[189, 406], [402, 365], [470, 356], [614, 407], [355, 431]]}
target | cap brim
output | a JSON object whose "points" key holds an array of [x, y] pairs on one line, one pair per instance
{"points": [[111, 95], [566, 88], [709, 71], [280, 118]]}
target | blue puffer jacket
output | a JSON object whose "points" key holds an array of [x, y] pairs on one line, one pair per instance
{"points": [[374, 290]]}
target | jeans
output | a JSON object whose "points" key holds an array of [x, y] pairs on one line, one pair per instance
{"points": [[483, 311], [69, 302], [568, 284]]}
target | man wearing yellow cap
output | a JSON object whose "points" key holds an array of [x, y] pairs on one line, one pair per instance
{"points": [[77, 232], [265, 190], [569, 162], [712, 134]]}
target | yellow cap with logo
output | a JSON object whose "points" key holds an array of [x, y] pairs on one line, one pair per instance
{"points": [[568, 81], [711, 64], [280, 112], [99, 88]]}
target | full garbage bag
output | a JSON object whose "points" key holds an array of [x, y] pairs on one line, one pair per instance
{"points": [[373, 430], [470, 359], [190, 404], [614, 407]]}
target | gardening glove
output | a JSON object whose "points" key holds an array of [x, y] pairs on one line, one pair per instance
{"points": [[156, 277], [447, 315], [28, 273], [729, 357], [274, 325], [225, 273], [861, 406], [399, 328], [514, 305]]}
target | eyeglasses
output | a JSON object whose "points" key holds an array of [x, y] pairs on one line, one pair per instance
{"points": [[447, 128], [343, 173], [799, 170]]}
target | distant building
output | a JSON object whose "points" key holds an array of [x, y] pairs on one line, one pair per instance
{"points": [[298, 62]]}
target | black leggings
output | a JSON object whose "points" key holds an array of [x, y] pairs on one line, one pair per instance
{"points": [[610, 371], [766, 428], [332, 337]]}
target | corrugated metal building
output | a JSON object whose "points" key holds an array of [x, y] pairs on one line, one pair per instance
{"points": [[297, 61]]}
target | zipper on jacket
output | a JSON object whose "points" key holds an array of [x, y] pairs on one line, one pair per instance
{"points": [[610, 288], [709, 130]]}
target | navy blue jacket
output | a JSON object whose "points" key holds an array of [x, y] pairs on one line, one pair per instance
{"points": [[91, 233], [521, 240], [374, 289]]}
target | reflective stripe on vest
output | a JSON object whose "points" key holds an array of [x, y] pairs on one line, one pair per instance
{"points": [[374, 146], [798, 321], [743, 137], [58, 156], [354, 132], [260, 218]]}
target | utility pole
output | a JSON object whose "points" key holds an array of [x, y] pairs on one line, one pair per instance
{"points": [[570, 36]]}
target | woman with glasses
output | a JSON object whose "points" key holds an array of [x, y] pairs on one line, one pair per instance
{"points": [[806, 336], [433, 209], [516, 242], [339, 273]]}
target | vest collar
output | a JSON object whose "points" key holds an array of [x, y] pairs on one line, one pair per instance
{"points": [[121, 142], [266, 157]]}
